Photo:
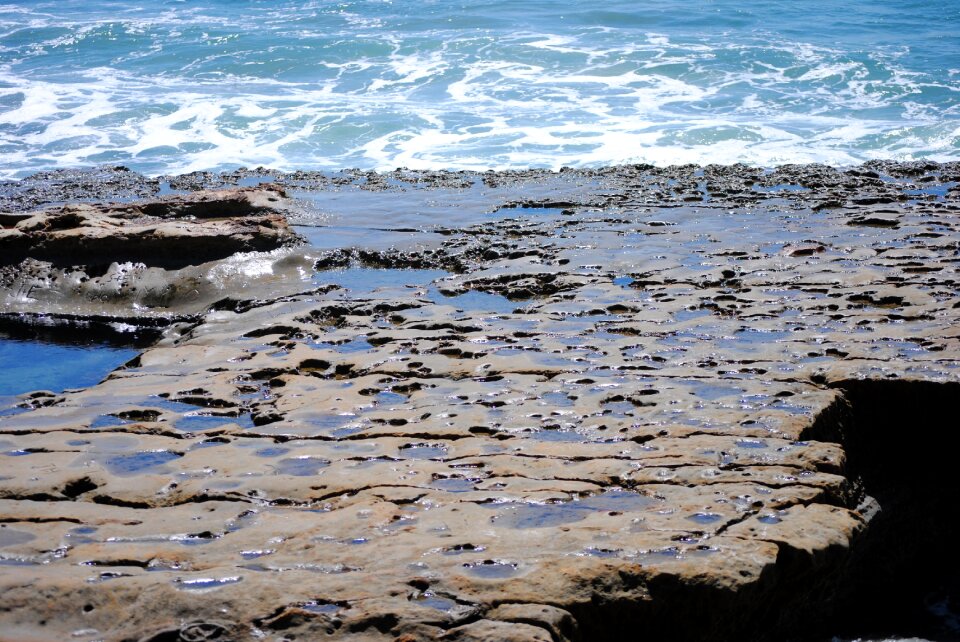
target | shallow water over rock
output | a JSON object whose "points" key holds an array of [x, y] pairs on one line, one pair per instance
{"points": [[362, 280]]}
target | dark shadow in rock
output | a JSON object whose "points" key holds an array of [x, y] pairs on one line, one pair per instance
{"points": [[902, 442], [109, 331]]}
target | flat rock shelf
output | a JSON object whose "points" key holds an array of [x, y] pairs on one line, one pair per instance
{"points": [[632, 403]]}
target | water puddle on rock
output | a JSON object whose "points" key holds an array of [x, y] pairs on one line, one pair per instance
{"points": [[306, 466], [492, 569], [39, 365], [423, 451], [474, 301], [533, 515], [333, 425], [11, 405], [372, 210], [569, 436], [196, 422], [271, 451], [556, 400], [347, 347], [204, 583], [940, 191], [139, 463], [706, 389], [162, 403], [429, 599], [527, 210], [333, 237], [453, 484], [365, 280], [319, 607], [13, 537], [705, 518], [107, 421], [81, 535]]}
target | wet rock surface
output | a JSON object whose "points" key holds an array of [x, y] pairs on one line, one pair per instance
{"points": [[171, 232], [147, 263], [507, 406]]}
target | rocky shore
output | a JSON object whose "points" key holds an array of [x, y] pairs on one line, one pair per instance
{"points": [[673, 403]]}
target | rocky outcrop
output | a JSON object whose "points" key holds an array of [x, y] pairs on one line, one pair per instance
{"points": [[173, 232], [143, 266], [678, 407]]}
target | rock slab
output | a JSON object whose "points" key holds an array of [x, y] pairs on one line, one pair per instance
{"points": [[619, 407]]}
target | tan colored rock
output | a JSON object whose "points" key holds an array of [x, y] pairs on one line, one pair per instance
{"points": [[650, 431], [172, 232]]}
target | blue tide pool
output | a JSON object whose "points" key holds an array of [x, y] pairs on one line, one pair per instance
{"points": [[34, 365], [170, 86]]}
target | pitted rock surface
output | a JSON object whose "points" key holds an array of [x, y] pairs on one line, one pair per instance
{"points": [[618, 395], [172, 232]]}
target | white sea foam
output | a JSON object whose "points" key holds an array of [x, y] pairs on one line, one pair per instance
{"points": [[339, 86]]}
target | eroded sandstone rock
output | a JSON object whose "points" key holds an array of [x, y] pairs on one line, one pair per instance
{"points": [[172, 232], [630, 418]]}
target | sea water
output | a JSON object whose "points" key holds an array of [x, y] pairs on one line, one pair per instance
{"points": [[172, 86]]}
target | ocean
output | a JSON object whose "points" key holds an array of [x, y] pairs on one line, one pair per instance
{"points": [[172, 86]]}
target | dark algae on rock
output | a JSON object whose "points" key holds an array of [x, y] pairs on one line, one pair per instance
{"points": [[626, 403]]}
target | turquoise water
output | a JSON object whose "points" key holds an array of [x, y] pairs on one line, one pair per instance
{"points": [[35, 365], [172, 86]]}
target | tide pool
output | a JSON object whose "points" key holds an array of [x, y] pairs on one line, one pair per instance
{"points": [[37, 365]]}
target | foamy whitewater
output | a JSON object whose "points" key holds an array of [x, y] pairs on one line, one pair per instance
{"points": [[173, 86]]}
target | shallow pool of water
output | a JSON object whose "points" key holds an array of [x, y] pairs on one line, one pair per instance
{"points": [[526, 210], [362, 280], [475, 301], [535, 515], [37, 365], [138, 463], [332, 237]]}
